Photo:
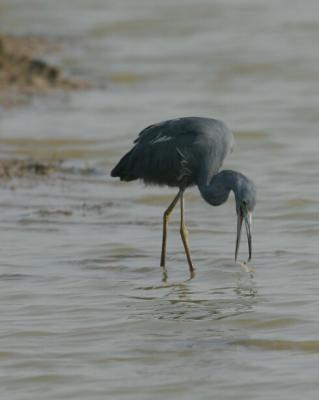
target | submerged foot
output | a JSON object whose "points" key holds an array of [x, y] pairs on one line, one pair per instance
{"points": [[164, 274]]}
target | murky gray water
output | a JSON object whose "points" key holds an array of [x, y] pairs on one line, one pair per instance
{"points": [[83, 311]]}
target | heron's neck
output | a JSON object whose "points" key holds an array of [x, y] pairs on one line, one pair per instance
{"points": [[216, 192]]}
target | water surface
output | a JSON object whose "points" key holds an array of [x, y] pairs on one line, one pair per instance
{"points": [[84, 311]]}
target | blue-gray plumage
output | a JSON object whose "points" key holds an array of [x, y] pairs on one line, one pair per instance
{"points": [[184, 152]]}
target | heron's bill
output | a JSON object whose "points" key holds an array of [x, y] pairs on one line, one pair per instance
{"points": [[247, 216]]}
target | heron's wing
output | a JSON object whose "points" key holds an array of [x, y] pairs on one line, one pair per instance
{"points": [[213, 131], [162, 153], [185, 147], [154, 131]]}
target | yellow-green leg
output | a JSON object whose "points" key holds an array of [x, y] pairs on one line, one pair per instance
{"points": [[184, 235], [166, 218]]}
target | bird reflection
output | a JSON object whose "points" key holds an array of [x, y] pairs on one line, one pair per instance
{"points": [[193, 300]]}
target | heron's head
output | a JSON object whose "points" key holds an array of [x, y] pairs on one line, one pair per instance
{"points": [[217, 193], [245, 195]]}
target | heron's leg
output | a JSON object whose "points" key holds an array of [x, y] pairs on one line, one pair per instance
{"points": [[184, 235], [166, 218]]}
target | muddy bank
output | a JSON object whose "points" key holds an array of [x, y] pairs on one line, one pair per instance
{"points": [[24, 72], [26, 168], [29, 168]]}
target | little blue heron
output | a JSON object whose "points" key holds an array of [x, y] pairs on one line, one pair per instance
{"points": [[184, 152]]}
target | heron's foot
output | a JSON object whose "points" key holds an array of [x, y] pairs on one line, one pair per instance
{"points": [[192, 274], [164, 274]]}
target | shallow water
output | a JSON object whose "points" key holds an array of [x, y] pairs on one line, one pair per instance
{"points": [[83, 309]]}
